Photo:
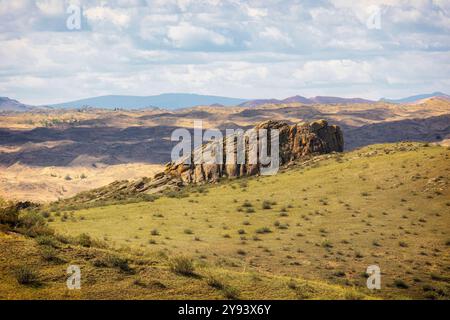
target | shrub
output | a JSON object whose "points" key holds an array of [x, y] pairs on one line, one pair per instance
{"points": [[327, 244], [266, 205], [247, 204], [182, 266], [230, 293], [119, 263], [84, 240], [33, 224], [400, 284], [45, 214], [26, 276], [403, 244], [188, 231], [263, 230], [241, 231], [215, 283], [292, 284], [154, 232], [47, 241], [50, 254]]}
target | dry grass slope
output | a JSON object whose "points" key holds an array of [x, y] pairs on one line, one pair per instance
{"points": [[328, 221], [307, 233]]}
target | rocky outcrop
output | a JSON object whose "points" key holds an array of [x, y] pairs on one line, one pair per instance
{"points": [[295, 142]]}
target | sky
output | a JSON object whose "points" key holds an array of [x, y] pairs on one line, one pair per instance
{"points": [[236, 48]]}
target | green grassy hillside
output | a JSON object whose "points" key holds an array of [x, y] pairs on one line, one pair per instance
{"points": [[321, 223]]}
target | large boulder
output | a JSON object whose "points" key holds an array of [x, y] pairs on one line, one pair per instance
{"points": [[295, 142]]}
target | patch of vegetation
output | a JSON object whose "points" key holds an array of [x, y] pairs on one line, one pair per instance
{"points": [[27, 276], [182, 266]]}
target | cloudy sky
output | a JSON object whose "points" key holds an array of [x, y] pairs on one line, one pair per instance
{"points": [[245, 49]]}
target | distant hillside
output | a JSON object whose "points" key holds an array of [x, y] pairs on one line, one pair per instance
{"points": [[300, 99], [166, 101], [418, 97], [7, 104]]}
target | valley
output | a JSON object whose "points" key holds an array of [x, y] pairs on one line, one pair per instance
{"points": [[103, 144]]}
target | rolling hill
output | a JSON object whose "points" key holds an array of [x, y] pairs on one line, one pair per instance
{"points": [[320, 223]]}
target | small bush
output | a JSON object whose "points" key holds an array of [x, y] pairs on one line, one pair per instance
{"points": [[119, 263], [84, 240], [26, 276], [230, 293], [400, 284], [215, 283], [263, 230], [188, 231], [154, 232], [266, 205], [327, 244], [183, 266], [292, 284], [247, 204], [403, 244], [50, 254], [49, 241], [45, 214]]}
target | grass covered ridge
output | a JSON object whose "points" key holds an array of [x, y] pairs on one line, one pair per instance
{"points": [[308, 232]]}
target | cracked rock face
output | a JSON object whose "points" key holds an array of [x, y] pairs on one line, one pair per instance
{"points": [[295, 142]]}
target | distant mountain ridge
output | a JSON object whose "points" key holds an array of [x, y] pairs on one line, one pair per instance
{"points": [[300, 99], [174, 101], [417, 98], [164, 101]]}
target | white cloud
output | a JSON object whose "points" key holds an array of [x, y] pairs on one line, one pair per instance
{"points": [[50, 7], [228, 47], [256, 12], [334, 71], [186, 35], [271, 33], [106, 15]]}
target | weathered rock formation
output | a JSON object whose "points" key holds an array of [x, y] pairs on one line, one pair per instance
{"points": [[295, 142]]}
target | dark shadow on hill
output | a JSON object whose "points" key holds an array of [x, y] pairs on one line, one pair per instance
{"points": [[111, 145], [152, 144], [431, 129]]}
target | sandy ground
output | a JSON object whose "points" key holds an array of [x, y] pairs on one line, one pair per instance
{"points": [[43, 184]]}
